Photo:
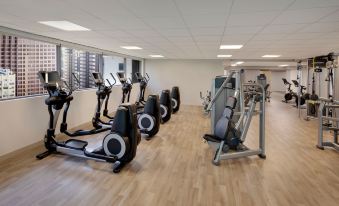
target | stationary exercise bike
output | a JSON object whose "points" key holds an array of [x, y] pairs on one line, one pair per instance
{"points": [[290, 94], [118, 147], [303, 96]]}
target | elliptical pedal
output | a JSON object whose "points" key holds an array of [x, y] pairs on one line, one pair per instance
{"points": [[76, 144]]}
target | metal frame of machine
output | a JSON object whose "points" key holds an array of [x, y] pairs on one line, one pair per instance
{"points": [[243, 115], [331, 125]]}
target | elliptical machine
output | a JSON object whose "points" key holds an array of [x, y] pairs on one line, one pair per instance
{"points": [[103, 93], [175, 97], [165, 105], [148, 111], [149, 118], [118, 147], [143, 81], [126, 86]]}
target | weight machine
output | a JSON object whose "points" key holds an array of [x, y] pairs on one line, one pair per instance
{"points": [[328, 121], [230, 119]]}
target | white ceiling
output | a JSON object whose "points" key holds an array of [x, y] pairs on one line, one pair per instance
{"points": [[187, 29]]}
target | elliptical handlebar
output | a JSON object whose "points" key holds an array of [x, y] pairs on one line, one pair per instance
{"points": [[146, 77], [68, 87], [130, 81], [109, 83], [77, 80], [115, 80]]}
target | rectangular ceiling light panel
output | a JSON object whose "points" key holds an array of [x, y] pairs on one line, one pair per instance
{"points": [[156, 56], [131, 47], [64, 25], [224, 56], [271, 56], [231, 46]]}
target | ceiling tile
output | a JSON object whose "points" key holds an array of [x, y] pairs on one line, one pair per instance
{"points": [[194, 7], [151, 8], [259, 5], [268, 37], [243, 30], [302, 16], [165, 22], [283, 28], [210, 20], [200, 31], [308, 4], [177, 32], [321, 27], [236, 39], [186, 28], [251, 19]]}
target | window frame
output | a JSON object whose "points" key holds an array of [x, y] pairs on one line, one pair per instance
{"points": [[59, 43]]}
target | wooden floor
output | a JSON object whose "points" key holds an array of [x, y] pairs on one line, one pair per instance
{"points": [[175, 168]]}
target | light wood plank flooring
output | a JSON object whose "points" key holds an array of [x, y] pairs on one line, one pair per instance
{"points": [[174, 168]]}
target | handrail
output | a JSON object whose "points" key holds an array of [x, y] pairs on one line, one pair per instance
{"points": [[323, 99]]}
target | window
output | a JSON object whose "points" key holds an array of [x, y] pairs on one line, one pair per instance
{"points": [[18, 59], [133, 66], [136, 64], [113, 65], [21, 59], [82, 64]]}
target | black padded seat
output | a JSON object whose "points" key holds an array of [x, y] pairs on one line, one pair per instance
{"points": [[211, 138]]}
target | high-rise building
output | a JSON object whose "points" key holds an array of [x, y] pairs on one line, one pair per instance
{"points": [[7, 84], [25, 57], [81, 63]]}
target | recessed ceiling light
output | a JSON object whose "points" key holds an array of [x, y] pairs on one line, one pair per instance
{"points": [[64, 25], [230, 46], [156, 56], [271, 56], [131, 47], [283, 65], [237, 63], [224, 55]]}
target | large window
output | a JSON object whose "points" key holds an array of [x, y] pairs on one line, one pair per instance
{"points": [[20, 61], [81, 64], [136, 67], [112, 65]]}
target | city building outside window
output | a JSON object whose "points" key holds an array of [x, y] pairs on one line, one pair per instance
{"points": [[22, 61]]}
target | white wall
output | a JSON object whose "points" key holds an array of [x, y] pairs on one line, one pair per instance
{"points": [[24, 121], [192, 76], [274, 78], [276, 82], [251, 74]]}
